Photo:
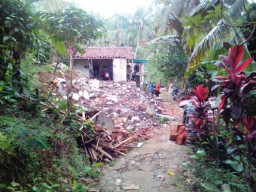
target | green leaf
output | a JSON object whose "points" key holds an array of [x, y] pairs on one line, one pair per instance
{"points": [[225, 188], [26, 91], [99, 164], [60, 47], [210, 187], [187, 23], [16, 94], [252, 92], [200, 153], [14, 184], [214, 74], [55, 185], [74, 185], [237, 157], [236, 165]]}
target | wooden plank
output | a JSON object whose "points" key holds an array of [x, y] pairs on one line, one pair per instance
{"points": [[124, 141], [99, 149]]}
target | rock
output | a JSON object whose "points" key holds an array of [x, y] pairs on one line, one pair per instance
{"points": [[118, 182], [130, 186], [150, 111], [75, 96], [140, 144], [112, 98], [61, 85], [168, 117], [135, 119], [93, 190], [85, 94], [161, 177], [159, 110], [132, 162], [95, 83]]}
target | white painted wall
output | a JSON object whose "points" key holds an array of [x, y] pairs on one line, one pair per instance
{"points": [[79, 64], [119, 70]]}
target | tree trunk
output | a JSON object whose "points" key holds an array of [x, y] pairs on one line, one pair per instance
{"points": [[16, 70], [3, 67], [138, 42], [3, 63]]}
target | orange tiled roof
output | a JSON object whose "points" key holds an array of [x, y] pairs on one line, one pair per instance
{"points": [[105, 53]]}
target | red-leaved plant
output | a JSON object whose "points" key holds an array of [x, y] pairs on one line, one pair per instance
{"points": [[238, 109], [235, 82], [197, 115]]}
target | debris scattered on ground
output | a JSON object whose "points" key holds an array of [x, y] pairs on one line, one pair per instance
{"points": [[122, 115]]}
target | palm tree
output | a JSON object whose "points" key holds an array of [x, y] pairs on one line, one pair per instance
{"points": [[222, 31], [213, 22], [172, 13], [140, 29], [117, 27]]}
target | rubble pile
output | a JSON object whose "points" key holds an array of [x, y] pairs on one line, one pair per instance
{"points": [[121, 114]]}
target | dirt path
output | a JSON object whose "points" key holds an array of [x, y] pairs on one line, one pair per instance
{"points": [[156, 166]]}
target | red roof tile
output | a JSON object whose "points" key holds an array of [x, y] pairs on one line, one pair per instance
{"points": [[105, 53]]}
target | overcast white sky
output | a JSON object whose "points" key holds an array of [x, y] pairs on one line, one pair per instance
{"points": [[109, 7]]}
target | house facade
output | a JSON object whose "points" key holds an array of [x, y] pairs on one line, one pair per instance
{"points": [[97, 60]]}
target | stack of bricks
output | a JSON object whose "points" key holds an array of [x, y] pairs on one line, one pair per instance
{"points": [[179, 135]]}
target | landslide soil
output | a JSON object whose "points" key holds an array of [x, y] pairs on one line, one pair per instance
{"points": [[155, 166]]}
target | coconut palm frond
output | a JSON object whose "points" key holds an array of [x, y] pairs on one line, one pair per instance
{"points": [[191, 5], [176, 23], [218, 33], [159, 2], [177, 7], [239, 37], [172, 39], [163, 24], [235, 10], [203, 7]]}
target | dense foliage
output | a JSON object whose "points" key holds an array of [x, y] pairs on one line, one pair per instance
{"points": [[224, 139], [166, 61], [16, 36], [33, 157], [227, 139]]}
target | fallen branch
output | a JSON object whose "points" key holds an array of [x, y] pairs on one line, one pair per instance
{"points": [[95, 115], [124, 141], [119, 152], [99, 149], [61, 122]]}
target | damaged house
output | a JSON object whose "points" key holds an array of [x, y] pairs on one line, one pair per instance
{"points": [[97, 60]]}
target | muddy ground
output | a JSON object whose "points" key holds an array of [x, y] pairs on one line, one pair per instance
{"points": [[154, 166]]}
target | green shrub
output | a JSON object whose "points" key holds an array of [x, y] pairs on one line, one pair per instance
{"points": [[36, 159], [210, 175]]}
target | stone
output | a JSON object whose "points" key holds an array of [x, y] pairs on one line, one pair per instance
{"points": [[159, 110], [150, 111], [135, 119], [118, 182], [132, 162], [130, 186], [95, 83]]}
